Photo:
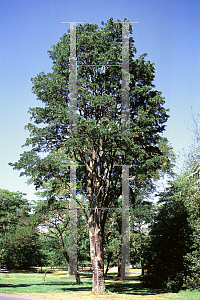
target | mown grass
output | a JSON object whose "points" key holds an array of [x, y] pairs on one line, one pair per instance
{"points": [[57, 286]]}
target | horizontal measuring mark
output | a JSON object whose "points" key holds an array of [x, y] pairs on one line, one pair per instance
{"points": [[99, 65], [75, 165], [101, 208], [72, 21], [122, 134], [128, 22], [121, 165]]}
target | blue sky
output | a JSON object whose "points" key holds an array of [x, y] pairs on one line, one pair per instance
{"points": [[167, 30]]}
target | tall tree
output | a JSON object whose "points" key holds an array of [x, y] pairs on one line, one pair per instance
{"points": [[98, 144]]}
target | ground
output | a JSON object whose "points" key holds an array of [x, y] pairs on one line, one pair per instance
{"points": [[55, 285]]}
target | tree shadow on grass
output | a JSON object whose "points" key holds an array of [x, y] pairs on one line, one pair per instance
{"points": [[129, 287], [59, 287], [132, 288]]}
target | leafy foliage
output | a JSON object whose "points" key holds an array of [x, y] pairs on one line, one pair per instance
{"points": [[172, 255], [19, 240], [54, 223], [23, 249], [169, 242]]}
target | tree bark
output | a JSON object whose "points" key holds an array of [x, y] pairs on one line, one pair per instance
{"points": [[0, 258], [119, 274], [77, 275], [96, 252], [142, 265], [66, 255], [95, 226], [108, 263], [141, 252], [141, 260]]}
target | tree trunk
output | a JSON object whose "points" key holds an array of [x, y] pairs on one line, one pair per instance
{"points": [[0, 258], [96, 252], [98, 283], [95, 228], [119, 274], [141, 260], [108, 263], [142, 265], [66, 255], [141, 257], [71, 272]]}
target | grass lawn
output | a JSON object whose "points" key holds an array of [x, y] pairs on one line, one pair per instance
{"points": [[56, 286]]}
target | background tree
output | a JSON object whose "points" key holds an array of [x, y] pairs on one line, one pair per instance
{"points": [[142, 214], [98, 144], [54, 224], [169, 242], [172, 256], [112, 239], [23, 246], [190, 193], [13, 208], [52, 250]]}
